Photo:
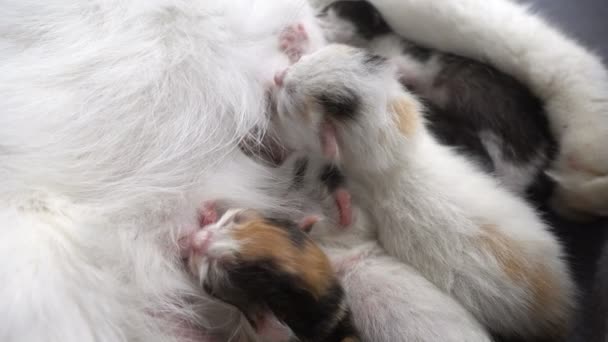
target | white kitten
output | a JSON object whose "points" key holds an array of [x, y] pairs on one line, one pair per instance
{"points": [[570, 79], [434, 210]]}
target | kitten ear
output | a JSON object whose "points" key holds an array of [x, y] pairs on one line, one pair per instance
{"points": [[329, 141], [245, 215], [268, 326], [308, 222]]}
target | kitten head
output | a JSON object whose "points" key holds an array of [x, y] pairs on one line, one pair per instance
{"points": [[242, 240], [343, 96], [328, 83]]}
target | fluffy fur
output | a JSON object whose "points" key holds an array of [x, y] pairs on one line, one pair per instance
{"points": [[237, 261], [378, 287], [119, 117], [486, 114], [485, 248], [571, 81]]}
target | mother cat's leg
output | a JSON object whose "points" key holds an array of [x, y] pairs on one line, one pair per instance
{"points": [[571, 80]]}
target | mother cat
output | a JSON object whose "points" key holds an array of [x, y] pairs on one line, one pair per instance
{"points": [[118, 117]]}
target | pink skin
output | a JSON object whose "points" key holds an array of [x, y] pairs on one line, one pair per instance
{"points": [[270, 328], [208, 214], [329, 142], [201, 241], [195, 240], [343, 201], [294, 42], [308, 222]]}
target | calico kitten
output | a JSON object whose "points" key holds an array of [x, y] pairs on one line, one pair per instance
{"points": [[484, 113], [266, 266], [433, 209]]}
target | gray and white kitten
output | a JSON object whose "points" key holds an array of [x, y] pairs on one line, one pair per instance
{"points": [[484, 113]]}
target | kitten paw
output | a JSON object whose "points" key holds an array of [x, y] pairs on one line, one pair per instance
{"points": [[294, 42], [581, 172]]}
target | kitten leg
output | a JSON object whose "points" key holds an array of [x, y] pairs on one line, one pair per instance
{"points": [[571, 80], [390, 302]]}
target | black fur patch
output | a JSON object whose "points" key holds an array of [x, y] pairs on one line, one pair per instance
{"points": [[341, 105], [299, 171], [297, 237], [482, 99], [364, 16], [374, 61], [417, 52], [332, 177], [345, 328], [262, 284]]}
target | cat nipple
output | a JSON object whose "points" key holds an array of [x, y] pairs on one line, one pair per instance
{"points": [[208, 214], [279, 77]]}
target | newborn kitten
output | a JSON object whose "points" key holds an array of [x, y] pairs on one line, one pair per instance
{"points": [[266, 267], [389, 300], [433, 208], [484, 113]]}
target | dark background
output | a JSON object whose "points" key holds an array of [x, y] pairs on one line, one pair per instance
{"points": [[586, 21]]}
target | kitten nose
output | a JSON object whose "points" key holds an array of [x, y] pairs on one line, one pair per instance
{"points": [[201, 241], [279, 77]]}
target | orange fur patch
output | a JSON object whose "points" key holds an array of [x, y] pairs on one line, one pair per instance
{"points": [[405, 115], [512, 259], [260, 240]]}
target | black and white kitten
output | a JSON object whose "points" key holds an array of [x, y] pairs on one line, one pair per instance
{"points": [[486, 114]]}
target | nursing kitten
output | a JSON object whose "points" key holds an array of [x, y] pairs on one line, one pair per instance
{"points": [[389, 300], [486, 114], [434, 210], [266, 266]]}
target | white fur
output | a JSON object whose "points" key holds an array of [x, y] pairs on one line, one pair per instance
{"points": [[389, 300], [571, 80], [433, 209], [120, 117], [379, 287], [128, 112]]}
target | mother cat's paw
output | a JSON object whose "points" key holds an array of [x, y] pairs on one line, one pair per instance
{"points": [[581, 191], [581, 172]]}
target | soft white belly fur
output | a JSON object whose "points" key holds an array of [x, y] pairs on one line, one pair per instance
{"points": [[117, 119]]}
